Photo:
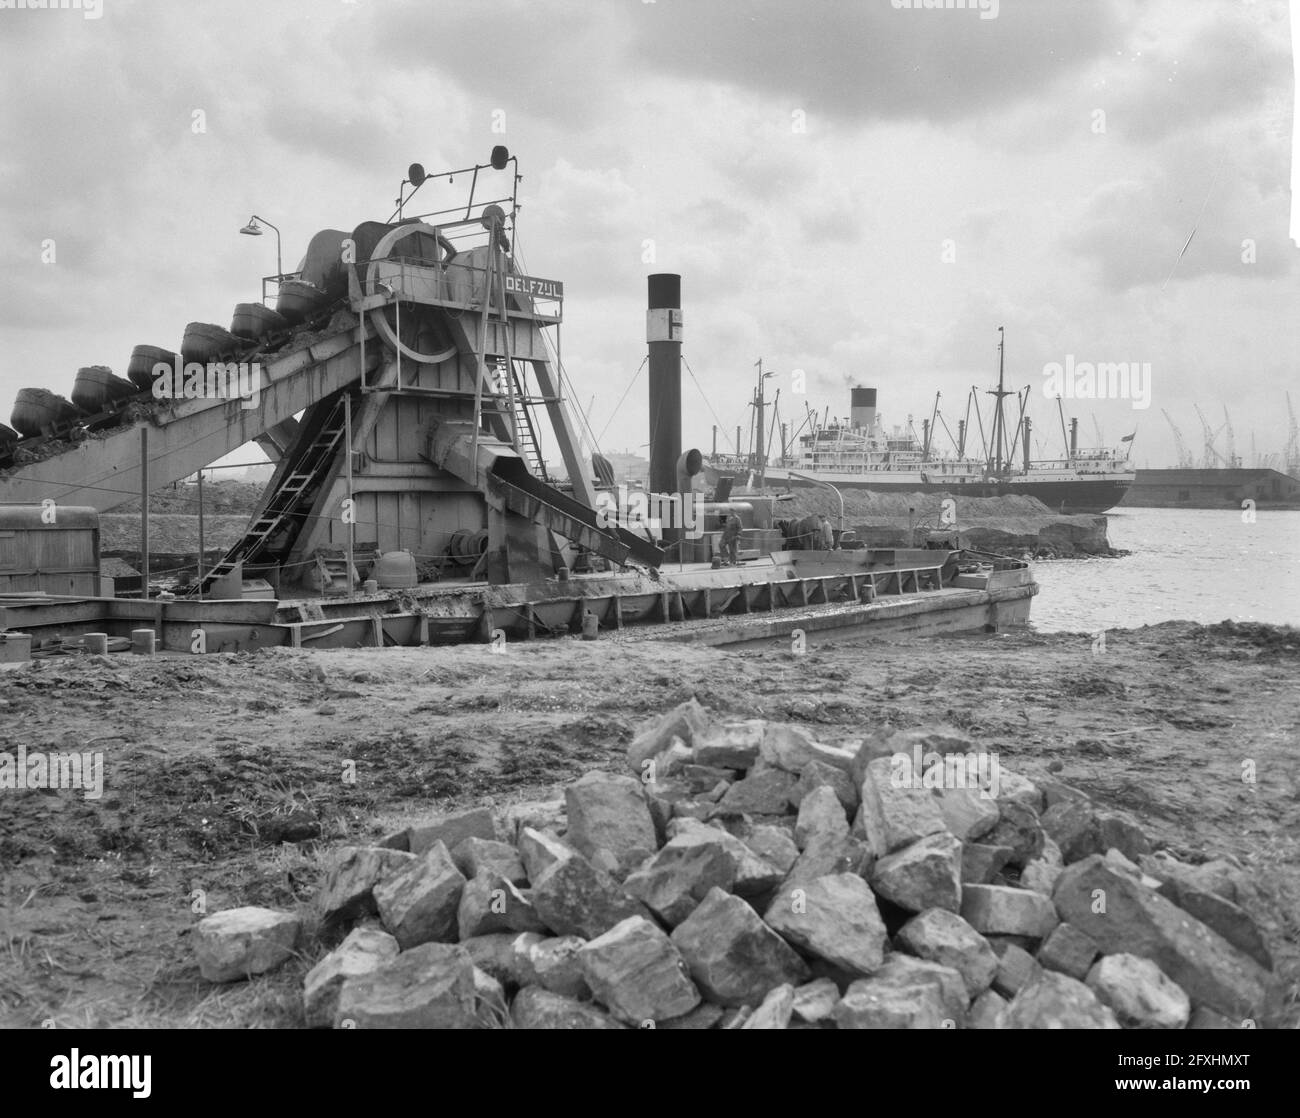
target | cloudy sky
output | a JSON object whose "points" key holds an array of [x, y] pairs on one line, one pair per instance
{"points": [[848, 188]]}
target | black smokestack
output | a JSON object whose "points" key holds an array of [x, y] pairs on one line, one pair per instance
{"points": [[664, 337], [862, 407]]}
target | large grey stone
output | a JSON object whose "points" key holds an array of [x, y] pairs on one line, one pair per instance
{"points": [[754, 875], [734, 957], [1013, 786], [893, 815], [906, 993], [474, 854], [452, 830], [703, 1016], [364, 950], [832, 918], [1072, 825], [926, 874], [348, 892], [791, 747], [730, 745], [495, 955], [673, 881], [490, 903], [1018, 827], [684, 722], [1117, 831], [820, 813], [764, 793], [609, 822], [968, 812], [552, 963], [573, 897], [539, 850], [773, 844], [241, 942], [1056, 1001], [944, 937], [1016, 970], [980, 864], [816, 774], [541, 815], [815, 1001], [430, 986], [1002, 910], [635, 970], [419, 904], [986, 1011], [775, 1011], [535, 1008], [828, 854], [1140, 993], [1231, 921], [1138, 921], [1069, 951]]}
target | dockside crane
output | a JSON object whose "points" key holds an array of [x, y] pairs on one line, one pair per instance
{"points": [[1210, 458], [1184, 459], [1233, 461]]}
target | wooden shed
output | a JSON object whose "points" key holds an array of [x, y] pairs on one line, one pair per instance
{"points": [[54, 549]]}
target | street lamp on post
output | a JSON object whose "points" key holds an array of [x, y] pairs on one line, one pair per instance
{"points": [[252, 229]]}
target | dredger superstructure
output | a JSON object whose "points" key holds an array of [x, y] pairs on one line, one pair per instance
{"points": [[404, 386]]}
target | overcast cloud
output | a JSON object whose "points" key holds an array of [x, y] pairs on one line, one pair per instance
{"points": [[802, 164]]}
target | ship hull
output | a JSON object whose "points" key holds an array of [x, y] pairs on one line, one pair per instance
{"points": [[1067, 495]]}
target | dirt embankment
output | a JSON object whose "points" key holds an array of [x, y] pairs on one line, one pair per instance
{"points": [[225, 776], [1009, 525]]}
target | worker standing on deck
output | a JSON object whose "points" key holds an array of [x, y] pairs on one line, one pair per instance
{"points": [[825, 533], [731, 540]]}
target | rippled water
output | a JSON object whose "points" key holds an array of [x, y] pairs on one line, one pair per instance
{"points": [[1186, 565]]}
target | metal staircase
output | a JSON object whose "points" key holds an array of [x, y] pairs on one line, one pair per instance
{"points": [[525, 432], [289, 506]]}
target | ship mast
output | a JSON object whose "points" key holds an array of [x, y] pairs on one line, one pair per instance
{"points": [[999, 425]]}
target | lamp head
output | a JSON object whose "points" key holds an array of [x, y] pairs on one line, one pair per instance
{"points": [[252, 229]]}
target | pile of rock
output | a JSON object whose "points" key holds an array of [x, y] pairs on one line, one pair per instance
{"points": [[751, 876]]}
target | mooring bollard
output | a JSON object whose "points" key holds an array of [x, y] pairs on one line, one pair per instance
{"points": [[96, 644], [370, 586], [142, 642]]}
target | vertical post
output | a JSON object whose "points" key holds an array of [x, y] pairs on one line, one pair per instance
{"points": [[760, 451], [201, 547], [352, 507], [664, 337], [144, 513]]}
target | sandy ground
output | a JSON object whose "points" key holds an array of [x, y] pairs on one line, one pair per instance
{"points": [[225, 774]]}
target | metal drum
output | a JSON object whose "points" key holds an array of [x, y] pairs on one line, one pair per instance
{"points": [[143, 359], [97, 388]]}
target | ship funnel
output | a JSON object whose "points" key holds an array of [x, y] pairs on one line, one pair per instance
{"points": [[862, 407], [664, 339]]}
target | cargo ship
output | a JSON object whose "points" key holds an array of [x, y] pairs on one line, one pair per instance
{"points": [[859, 453]]}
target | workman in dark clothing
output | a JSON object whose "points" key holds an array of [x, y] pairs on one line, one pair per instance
{"points": [[731, 540]]}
